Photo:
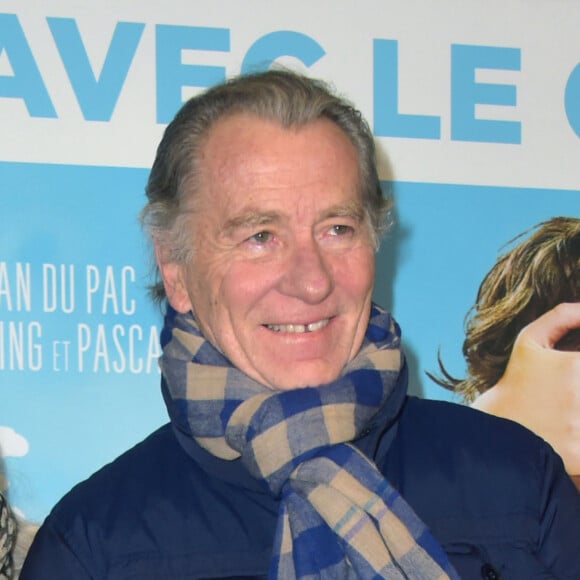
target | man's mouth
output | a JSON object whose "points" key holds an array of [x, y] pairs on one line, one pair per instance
{"points": [[299, 328]]}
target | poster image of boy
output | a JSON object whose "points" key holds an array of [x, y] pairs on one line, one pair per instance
{"points": [[522, 338]]}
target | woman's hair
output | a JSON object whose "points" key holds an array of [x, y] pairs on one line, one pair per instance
{"points": [[24, 537], [16, 535], [535, 275], [8, 532], [289, 98]]}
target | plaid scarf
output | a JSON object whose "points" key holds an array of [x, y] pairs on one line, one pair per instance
{"points": [[338, 516]]}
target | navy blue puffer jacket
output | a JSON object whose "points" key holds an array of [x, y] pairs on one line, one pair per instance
{"points": [[494, 495]]}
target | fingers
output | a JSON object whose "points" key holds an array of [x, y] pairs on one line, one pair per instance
{"points": [[553, 326]]}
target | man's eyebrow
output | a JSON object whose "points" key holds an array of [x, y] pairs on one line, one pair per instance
{"points": [[250, 219], [352, 210], [254, 217]]}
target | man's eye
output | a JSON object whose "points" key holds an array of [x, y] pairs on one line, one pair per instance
{"points": [[340, 230], [261, 237]]}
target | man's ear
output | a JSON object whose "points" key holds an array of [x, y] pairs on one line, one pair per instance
{"points": [[173, 276]]}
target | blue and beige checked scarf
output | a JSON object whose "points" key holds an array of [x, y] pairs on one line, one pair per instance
{"points": [[338, 517]]}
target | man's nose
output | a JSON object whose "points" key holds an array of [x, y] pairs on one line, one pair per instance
{"points": [[308, 275]]}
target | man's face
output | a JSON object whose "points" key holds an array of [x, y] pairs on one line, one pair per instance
{"points": [[283, 264]]}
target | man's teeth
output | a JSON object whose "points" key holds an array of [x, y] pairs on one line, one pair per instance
{"points": [[297, 328]]}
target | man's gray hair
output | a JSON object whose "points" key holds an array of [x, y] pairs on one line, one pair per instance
{"points": [[287, 97]]}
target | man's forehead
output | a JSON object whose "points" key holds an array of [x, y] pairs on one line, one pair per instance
{"points": [[243, 132], [254, 171]]}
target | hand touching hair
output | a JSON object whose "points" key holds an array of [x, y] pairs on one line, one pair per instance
{"points": [[539, 272]]}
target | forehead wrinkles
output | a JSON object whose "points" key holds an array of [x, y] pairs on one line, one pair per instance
{"points": [[248, 171], [243, 154]]}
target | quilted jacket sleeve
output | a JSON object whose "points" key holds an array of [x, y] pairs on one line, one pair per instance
{"points": [[559, 540], [51, 556]]}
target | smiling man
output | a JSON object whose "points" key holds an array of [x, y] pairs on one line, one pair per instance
{"points": [[281, 275], [293, 449]]}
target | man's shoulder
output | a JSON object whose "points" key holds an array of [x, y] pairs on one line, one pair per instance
{"points": [[156, 481], [464, 425], [137, 504], [160, 445], [456, 445], [157, 506], [123, 479]]}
